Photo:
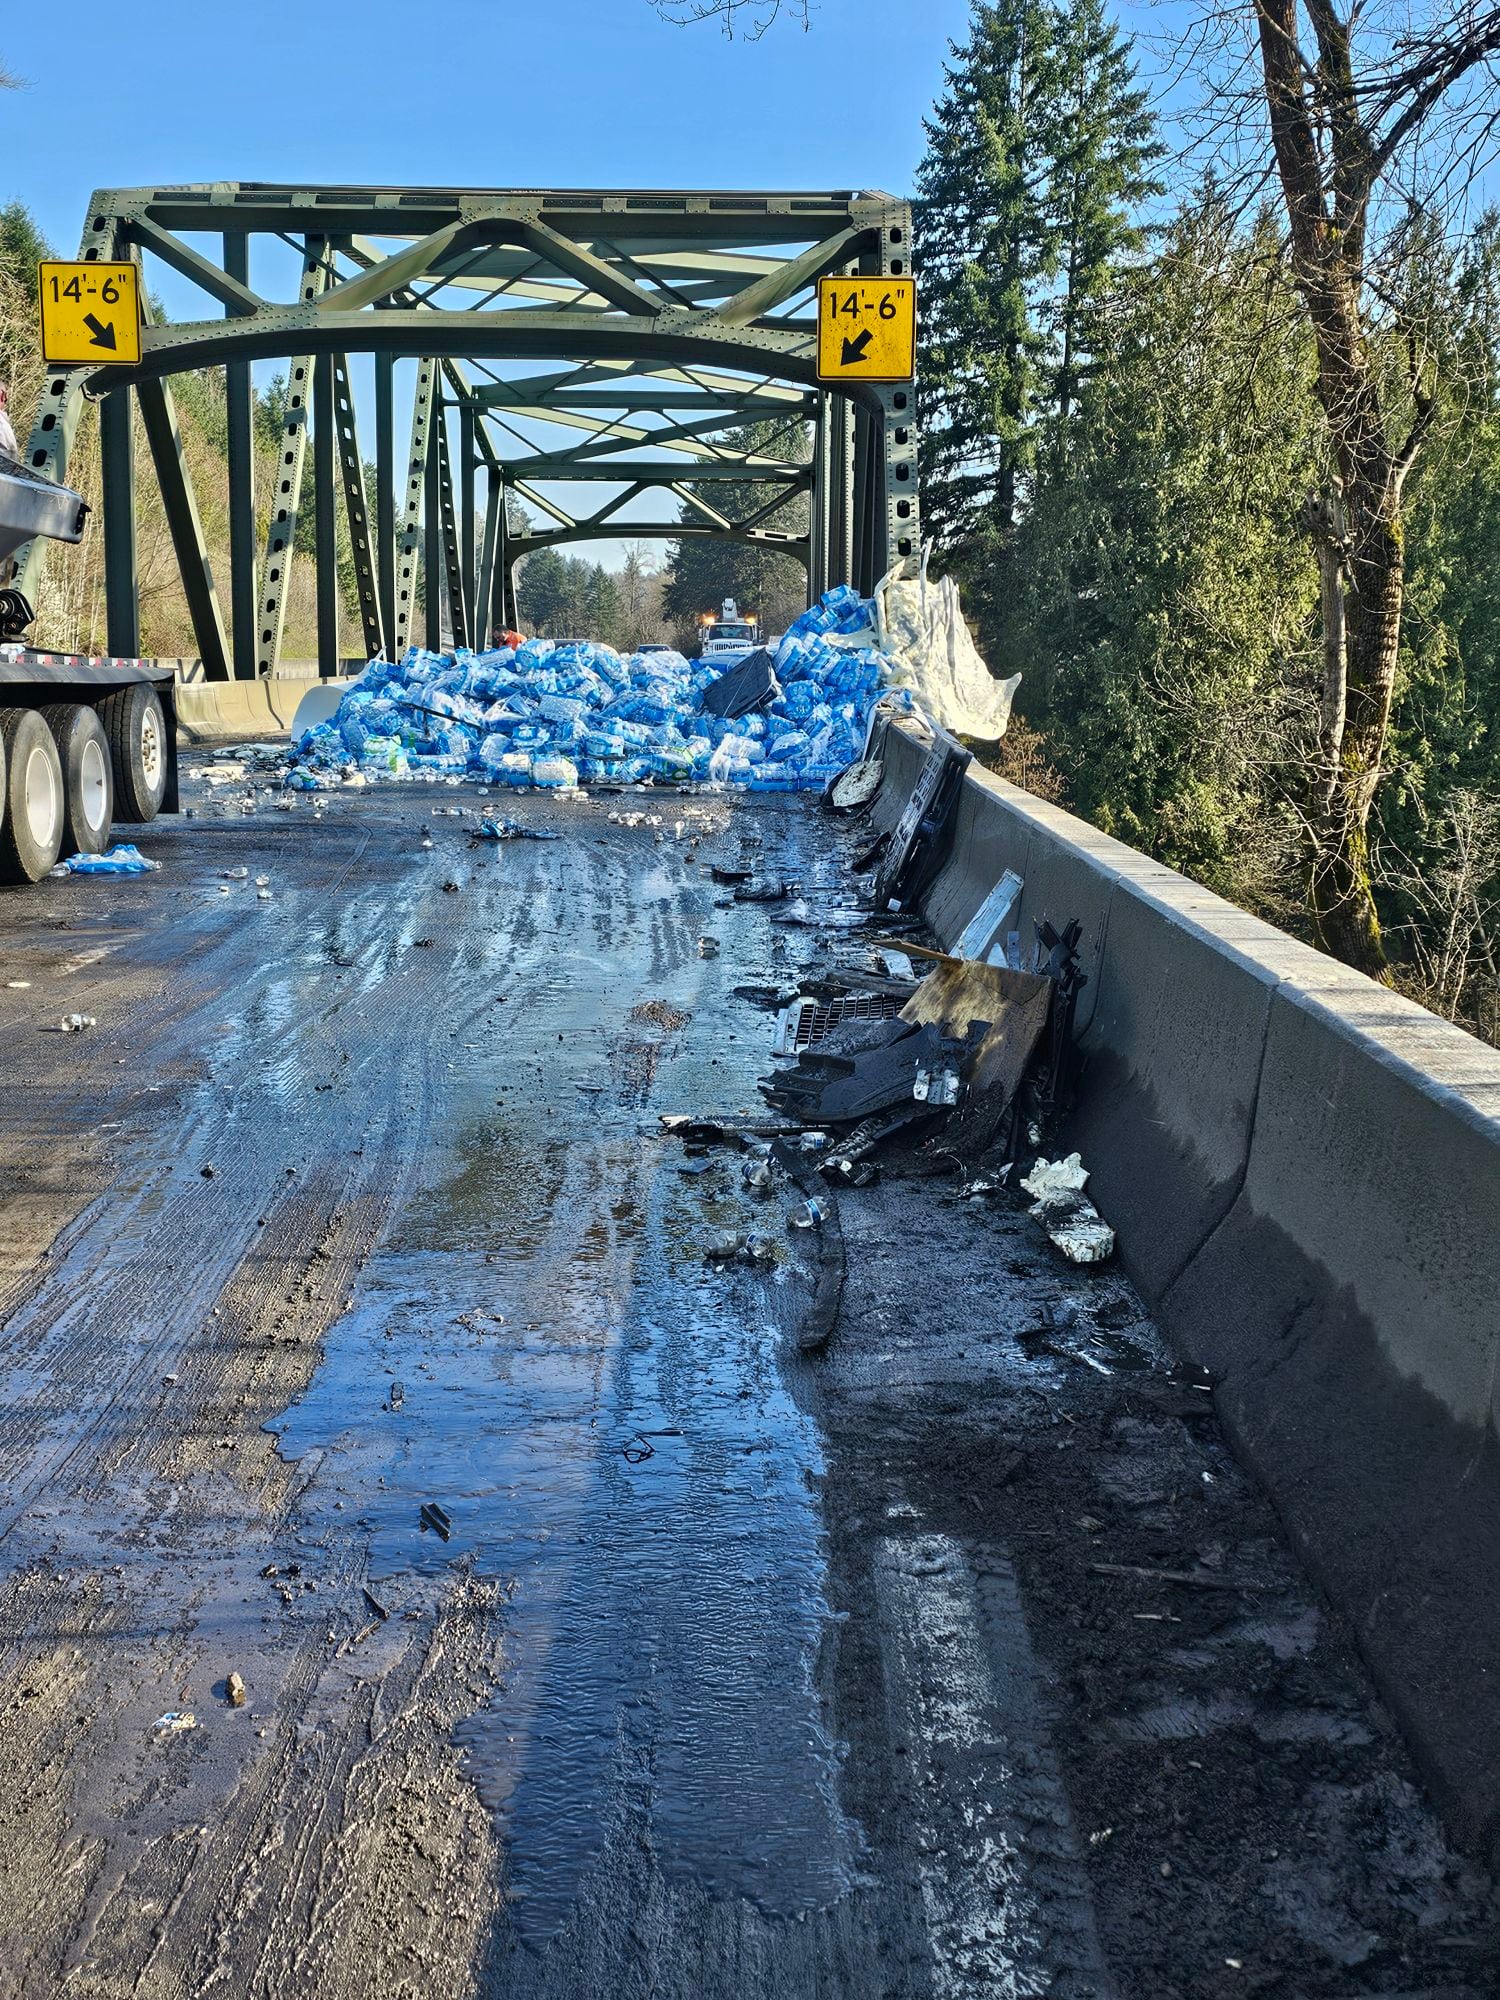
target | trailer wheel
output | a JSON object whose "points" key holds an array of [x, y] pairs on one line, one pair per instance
{"points": [[31, 836], [88, 788], [137, 733]]}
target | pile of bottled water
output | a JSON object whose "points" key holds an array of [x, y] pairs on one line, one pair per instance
{"points": [[556, 716]]}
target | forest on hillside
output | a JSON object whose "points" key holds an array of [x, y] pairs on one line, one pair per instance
{"points": [[1211, 437]]}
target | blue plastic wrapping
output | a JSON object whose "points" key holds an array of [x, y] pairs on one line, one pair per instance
{"points": [[558, 715]]}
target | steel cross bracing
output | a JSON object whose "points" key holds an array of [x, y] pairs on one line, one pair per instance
{"points": [[619, 364]]}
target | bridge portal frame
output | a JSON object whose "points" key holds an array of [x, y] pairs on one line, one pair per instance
{"points": [[672, 321]]}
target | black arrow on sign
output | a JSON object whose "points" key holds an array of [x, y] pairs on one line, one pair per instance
{"points": [[854, 350], [102, 332]]}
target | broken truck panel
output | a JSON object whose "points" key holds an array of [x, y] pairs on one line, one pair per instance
{"points": [[983, 936], [921, 838]]}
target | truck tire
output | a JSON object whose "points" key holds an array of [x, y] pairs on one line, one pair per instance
{"points": [[31, 836], [137, 733], [88, 788]]}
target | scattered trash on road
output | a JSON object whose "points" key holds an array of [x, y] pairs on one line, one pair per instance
{"points": [[122, 859], [1069, 1218], [809, 1214], [74, 1024], [437, 1518], [753, 1248], [855, 788], [235, 1691], [510, 829], [823, 1216], [175, 1721]]}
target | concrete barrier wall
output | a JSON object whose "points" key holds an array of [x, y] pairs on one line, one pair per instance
{"points": [[226, 711], [1304, 1173]]}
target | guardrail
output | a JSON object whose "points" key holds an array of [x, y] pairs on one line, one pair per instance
{"points": [[1303, 1170]]}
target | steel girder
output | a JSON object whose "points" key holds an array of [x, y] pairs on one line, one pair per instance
{"points": [[659, 345]]}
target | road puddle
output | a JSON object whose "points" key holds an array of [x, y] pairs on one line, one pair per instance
{"points": [[540, 1349]]}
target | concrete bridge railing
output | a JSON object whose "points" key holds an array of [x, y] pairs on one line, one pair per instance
{"points": [[1304, 1173]]}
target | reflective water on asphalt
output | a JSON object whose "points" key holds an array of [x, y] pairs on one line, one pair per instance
{"points": [[541, 1350]]}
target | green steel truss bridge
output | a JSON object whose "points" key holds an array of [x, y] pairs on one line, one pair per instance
{"points": [[596, 354]]}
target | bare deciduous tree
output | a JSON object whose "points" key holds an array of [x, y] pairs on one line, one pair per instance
{"points": [[1454, 932], [749, 19], [1378, 118]]}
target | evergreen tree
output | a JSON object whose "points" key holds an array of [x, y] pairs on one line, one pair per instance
{"points": [[22, 245], [541, 590], [1038, 154], [1161, 605], [986, 243], [1100, 178]]}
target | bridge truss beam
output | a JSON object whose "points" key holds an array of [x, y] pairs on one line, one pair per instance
{"points": [[619, 364]]}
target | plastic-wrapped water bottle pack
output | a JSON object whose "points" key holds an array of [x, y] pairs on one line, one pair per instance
{"points": [[556, 716]]}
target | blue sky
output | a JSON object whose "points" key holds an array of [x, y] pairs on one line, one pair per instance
{"points": [[482, 93], [487, 93]]}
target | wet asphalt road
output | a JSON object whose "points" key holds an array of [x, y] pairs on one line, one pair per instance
{"points": [[735, 1672]]}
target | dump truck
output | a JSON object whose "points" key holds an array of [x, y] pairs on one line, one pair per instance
{"points": [[86, 740]]}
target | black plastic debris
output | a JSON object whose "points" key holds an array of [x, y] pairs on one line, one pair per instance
{"points": [[1057, 960], [769, 891], [919, 844], [828, 1292], [745, 688], [436, 1518], [511, 829], [825, 1087], [699, 1131], [765, 996], [729, 876]]}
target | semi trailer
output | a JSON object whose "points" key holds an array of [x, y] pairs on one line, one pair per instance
{"points": [[86, 740]]}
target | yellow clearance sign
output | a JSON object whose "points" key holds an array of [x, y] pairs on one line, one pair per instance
{"points": [[91, 313], [867, 329]]}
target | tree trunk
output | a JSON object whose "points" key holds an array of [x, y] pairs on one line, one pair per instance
{"points": [[1343, 898], [1328, 260]]}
